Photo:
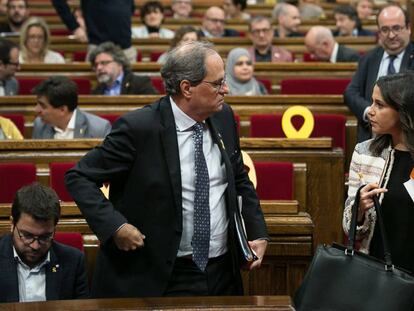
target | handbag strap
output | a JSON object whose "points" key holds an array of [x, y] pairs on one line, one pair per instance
{"points": [[352, 230]]}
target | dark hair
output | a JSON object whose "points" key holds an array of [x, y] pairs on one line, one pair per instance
{"points": [[38, 201], [405, 12], [185, 62], [111, 49], [241, 3], [150, 6], [5, 47], [350, 12], [59, 90], [398, 92], [25, 2], [180, 33]]}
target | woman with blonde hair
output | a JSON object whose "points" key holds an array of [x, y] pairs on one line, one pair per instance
{"points": [[34, 43]]}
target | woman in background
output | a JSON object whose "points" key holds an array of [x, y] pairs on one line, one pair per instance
{"points": [[182, 35], [34, 43], [389, 154], [239, 74], [152, 16]]}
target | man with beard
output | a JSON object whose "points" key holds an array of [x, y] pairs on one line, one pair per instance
{"points": [[17, 13], [395, 54], [33, 266], [114, 74]]}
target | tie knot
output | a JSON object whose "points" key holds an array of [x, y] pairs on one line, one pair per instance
{"points": [[198, 127], [392, 57]]}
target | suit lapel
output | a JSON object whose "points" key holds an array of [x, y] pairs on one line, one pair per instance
{"points": [[407, 59], [53, 277], [170, 147], [81, 126]]}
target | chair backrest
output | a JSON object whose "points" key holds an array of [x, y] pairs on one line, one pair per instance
{"points": [[274, 180], [267, 84], [158, 84], [26, 84], [310, 86], [326, 125], [79, 56], [57, 179], [13, 176], [110, 117], [308, 57], [73, 239], [18, 120], [154, 55]]}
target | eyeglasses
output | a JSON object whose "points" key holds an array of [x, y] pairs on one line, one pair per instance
{"points": [[396, 29], [256, 32], [103, 63], [28, 238], [216, 20], [217, 85]]}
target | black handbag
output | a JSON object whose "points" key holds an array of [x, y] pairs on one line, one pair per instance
{"points": [[342, 278]]}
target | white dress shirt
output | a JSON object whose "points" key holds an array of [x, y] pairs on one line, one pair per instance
{"points": [[218, 185], [70, 129]]}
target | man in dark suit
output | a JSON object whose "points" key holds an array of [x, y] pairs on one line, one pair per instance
{"points": [[168, 164], [348, 22], [58, 115], [114, 75], [395, 54], [288, 19], [17, 13], [33, 266], [321, 44], [213, 24]]}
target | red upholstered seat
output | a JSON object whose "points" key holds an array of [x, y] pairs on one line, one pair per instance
{"points": [[73, 239], [267, 84], [326, 125], [26, 84], [17, 119], [110, 117], [57, 179], [158, 83], [154, 55], [308, 57], [274, 180], [311, 86], [13, 176], [80, 56], [60, 31]]}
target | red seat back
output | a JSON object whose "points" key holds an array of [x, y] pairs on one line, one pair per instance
{"points": [[309, 86], [326, 125], [267, 84], [26, 84], [13, 176], [274, 180], [158, 84], [110, 117], [73, 239], [57, 179], [154, 55]]}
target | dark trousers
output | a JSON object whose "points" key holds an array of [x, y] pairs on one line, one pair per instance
{"points": [[217, 280]]}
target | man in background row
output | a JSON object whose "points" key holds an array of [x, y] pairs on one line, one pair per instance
{"points": [[114, 75], [9, 64], [288, 19], [58, 116], [321, 44], [33, 266], [261, 33], [17, 13], [213, 24]]}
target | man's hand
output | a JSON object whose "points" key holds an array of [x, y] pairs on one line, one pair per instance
{"points": [[259, 247], [80, 34], [128, 238]]}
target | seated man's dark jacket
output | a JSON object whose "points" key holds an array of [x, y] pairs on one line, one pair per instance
{"points": [[131, 85], [346, 54], [66, 276], [228, 32], [140, 159], [357, 95]]}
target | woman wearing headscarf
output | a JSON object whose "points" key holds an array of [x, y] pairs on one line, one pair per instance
{"points": [[239, 74]]}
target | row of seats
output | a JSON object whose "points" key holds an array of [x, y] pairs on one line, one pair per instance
{"points": [[274, 179]]}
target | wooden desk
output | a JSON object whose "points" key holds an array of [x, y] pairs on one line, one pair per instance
{"points": [[248, 303]]}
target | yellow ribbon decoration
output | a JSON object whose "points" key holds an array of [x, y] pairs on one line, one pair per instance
{"points": [[308, 122], [248, 162]]}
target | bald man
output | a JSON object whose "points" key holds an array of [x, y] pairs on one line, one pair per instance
{"points": [[288, 18], [213, 24], [321, 44]]}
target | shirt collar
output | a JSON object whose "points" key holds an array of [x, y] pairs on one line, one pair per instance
{"points": [[35, 268], [398, 56], [334, 53], [182, 121], [71, 124]]}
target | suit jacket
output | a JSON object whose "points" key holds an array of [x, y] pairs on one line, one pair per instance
{"points": [[131, 84], [361, 32], [140, 158], [358, 94], [227, 33], [87, 125], [278, 54], [11, 87], [346, 54], [65, 273]]}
